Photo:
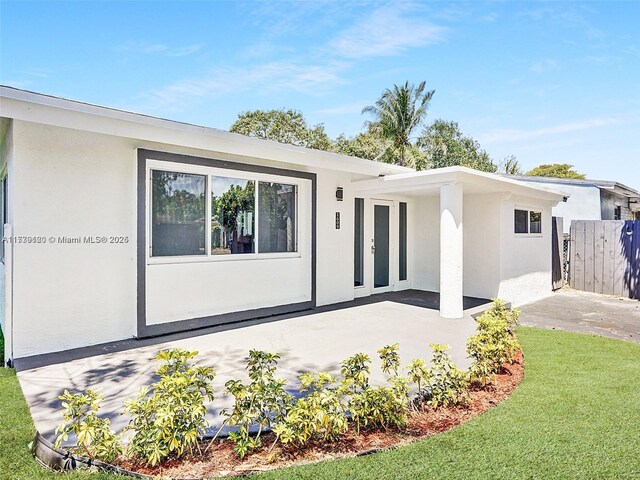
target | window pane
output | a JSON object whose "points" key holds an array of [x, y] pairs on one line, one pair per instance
{"points": [[521, 221], [535, 221], [178, 214], [232, 215], [358, 258], [403, 242], [277, 217]]}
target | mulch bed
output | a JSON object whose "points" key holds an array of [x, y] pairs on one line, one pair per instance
{"points": [[221, 461]]}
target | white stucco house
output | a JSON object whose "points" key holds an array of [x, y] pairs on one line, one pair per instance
{"points": [[120, 225], [590, 199]]}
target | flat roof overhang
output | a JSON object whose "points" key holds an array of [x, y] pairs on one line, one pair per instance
{"points": [[429, 182], [55, 111]]}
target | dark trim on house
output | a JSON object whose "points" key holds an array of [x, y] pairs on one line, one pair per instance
{"points": [[144, 330]]}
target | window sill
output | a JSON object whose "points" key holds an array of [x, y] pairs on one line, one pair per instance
{"points": [[221, 258], [528, 235]]}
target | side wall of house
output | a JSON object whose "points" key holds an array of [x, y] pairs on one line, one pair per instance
{"points": [[70, 184], [481, 236], [525, 258], [6, 164], [609, 201]]}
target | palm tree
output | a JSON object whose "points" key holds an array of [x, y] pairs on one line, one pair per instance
{"points": [[397, 114]]}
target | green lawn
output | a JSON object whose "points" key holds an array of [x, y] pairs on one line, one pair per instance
{"points": [[576, 415]]}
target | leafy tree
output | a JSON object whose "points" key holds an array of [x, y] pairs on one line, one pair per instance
{"points": [[445, 146], [367, 144], [510, 166], [284, 126], [398, 112], [557, 170]]}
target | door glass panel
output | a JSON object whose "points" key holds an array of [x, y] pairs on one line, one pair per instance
{"points": [[358, 258], [381, 242], [402, 270]]}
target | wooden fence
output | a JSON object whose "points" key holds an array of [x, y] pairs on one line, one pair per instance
{"points": [[605, 257]]}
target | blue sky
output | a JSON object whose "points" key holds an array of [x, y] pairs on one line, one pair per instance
{"points": [[550, 82]]}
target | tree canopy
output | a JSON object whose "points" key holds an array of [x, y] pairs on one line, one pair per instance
{"points": [[510, 166], [557, 170], [397, 114], [285, 126], [389, 137], [444, 145]]}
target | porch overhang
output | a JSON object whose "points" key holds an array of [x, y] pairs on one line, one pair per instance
{"points": [[451, 185], [429, 182]]}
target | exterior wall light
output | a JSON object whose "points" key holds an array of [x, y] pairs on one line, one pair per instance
{"points": [[339, 194]]}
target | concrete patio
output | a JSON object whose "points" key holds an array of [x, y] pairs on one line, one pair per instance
{"points": [[315, 340]]}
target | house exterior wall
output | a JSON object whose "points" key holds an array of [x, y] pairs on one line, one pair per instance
{"points": [[334, 247], [6, 165], [68, 184], [426, 241], [525, 273], [583, 203], [482, 231], [70, 295], [608, 203]]}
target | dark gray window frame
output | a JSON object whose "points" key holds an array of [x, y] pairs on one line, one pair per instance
{"points": [[144, 330]]}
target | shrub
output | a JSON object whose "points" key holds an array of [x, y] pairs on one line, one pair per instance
{"points": [[169, 416], [95, 438], [494, 345], [319, 415], [263, 401], [375, 407], [446, 385]]}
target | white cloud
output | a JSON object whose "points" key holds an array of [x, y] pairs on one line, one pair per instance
{"points": [[514, 135], [268, 77], [346, 109], [388, 30], [544, 66], [159, 49]]}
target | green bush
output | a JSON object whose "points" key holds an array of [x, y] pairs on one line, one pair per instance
{"points": [[320, 415], [263, 401], [494, 345], [375, 407], [169, 417], [95, 438], [444, 383]]}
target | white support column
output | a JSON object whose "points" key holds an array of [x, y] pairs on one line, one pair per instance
{"points": [[451, 250]]}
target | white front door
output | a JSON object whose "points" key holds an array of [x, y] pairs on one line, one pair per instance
{"points": [[381, 246]]}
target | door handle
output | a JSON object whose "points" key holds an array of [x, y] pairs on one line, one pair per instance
{"points": [[373, 249]]}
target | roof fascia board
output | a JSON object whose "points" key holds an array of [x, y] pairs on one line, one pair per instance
{"points": [[32, 107]]}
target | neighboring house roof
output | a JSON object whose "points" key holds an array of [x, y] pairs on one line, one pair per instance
{"points": [[616, 187], [55, 111]]}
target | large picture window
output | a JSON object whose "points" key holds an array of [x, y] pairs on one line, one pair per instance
{"points": [[243, 216], [178, 214], [232, 215], [276, 217]]}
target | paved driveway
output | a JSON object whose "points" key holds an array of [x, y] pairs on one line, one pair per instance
{"points": [[586, 312]]}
